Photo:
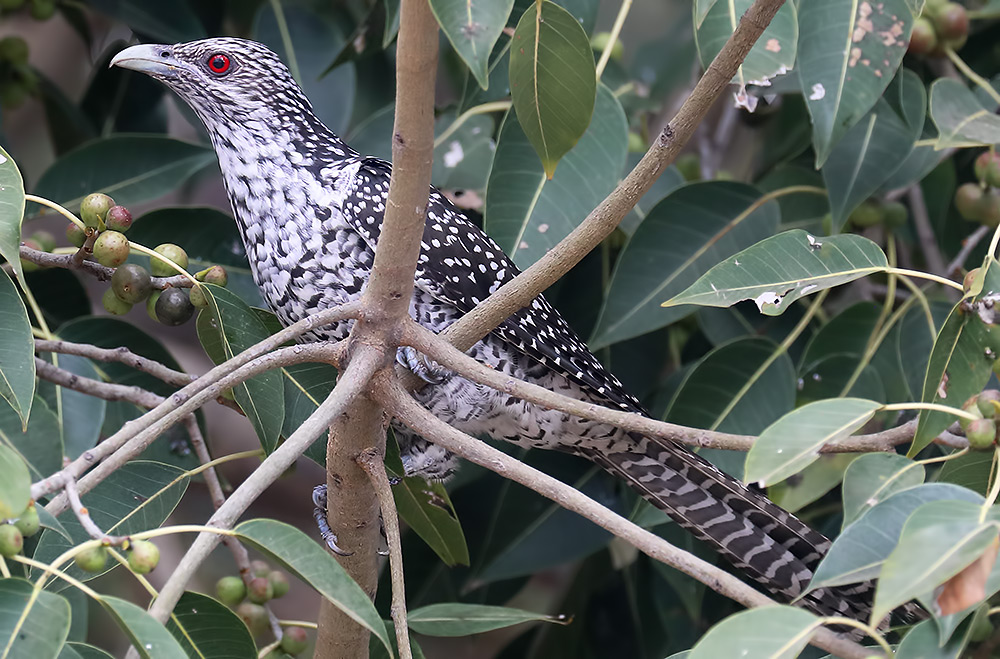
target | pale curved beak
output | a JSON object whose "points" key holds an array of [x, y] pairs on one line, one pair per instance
{"points": [[152, 59]]}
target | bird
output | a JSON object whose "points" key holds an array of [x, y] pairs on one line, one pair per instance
{"points": [[309, 210]]}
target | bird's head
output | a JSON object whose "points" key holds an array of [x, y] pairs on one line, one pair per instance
{"points": [[220, 78]]}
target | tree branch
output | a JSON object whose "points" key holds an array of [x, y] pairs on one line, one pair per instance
{"points": [[520, 291], [93, 268], [395, 399], [372, 462], [121, 355], [350, 385], [442, 352], [96, 388]]}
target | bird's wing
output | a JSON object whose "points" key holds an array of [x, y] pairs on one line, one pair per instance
{"points": [[460, 265]]}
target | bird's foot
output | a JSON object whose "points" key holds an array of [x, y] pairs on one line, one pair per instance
{"points": [[319, 514], [426, 369]]}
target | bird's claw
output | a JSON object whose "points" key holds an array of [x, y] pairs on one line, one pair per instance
{"points": [[319, 514], [426, 369]]}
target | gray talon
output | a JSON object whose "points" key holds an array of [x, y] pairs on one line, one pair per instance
{"points": [[319, 514], [427, 370]]}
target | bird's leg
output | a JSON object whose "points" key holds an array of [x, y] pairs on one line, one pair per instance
{"points": [[319, 514], [426, 369]]}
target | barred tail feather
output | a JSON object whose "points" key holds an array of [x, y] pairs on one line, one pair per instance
{"points": [[769, 544]]}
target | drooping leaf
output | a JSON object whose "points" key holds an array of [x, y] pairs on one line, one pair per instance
{"points": [[938, 540], [17, 349], [149, 637], [11, 212], [473, 28], [552, 80], [768, 632], [300, 554], [779, 270], [205, 627], [681, 238], [459, 619], [29, 626], [848, 53], [858, 553], [771, 56], [793, 441], [526, 213], [226, 328], [960, 117], [875, 477]]}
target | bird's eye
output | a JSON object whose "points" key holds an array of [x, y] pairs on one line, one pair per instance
{"points": [[218, 63]]}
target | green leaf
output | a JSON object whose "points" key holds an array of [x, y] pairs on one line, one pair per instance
{"points": [[777, 271], [463, 160], [11, 212], [858, 553], [959, 366], [924, 642], [31, 626], [137, 497], [793, 441], [226, 328], [458, 619], [692, 229], [15, 486], [938, 540], [552, 80], [149, 637], [130, 168], [427, 509], [960, 118], [167, 23], [79, 416], [40, 445], [701, 9], [917, 333], [473, 28], [864, 158], [17, 349], [811, 483], [875, 477], [300, 554], [848, 53], [310, 42], [972, 470], [526, 213], [205, 627], [83, 651], [209, 237], [771, 632], [771, 56]]}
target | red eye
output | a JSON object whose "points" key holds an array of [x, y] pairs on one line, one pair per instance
{"points": [[218, 63]]}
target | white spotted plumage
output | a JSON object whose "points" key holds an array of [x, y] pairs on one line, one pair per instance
{"points": [[309, 210]]}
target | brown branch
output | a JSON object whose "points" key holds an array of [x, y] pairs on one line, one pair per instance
{"points": [[925, 232], [96, 388], [93, 268], [442, 352], [351, 383], [83, 516], [520, 291], [394, 398], [371, 461], [121, 355]]}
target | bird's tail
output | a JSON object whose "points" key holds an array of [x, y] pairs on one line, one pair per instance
{"points": [[769, 544]]}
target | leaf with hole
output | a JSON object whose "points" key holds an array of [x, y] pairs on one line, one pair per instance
{"points": [[779, 270]]}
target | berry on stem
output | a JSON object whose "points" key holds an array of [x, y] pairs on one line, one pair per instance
{"points": [[111, 249]]}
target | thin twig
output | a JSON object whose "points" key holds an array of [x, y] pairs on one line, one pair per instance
{"points": [[520, 291], [121, 355], [83, 515], [968, 245], [371, 461], [925, 232], [427, 343], [352, 381], [104, 390], [395, 399], [101, 272]]}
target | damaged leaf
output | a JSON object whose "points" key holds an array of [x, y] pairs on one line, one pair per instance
{"points": [[968, 587], [848, 52], [777, 271], [771, 56]]}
